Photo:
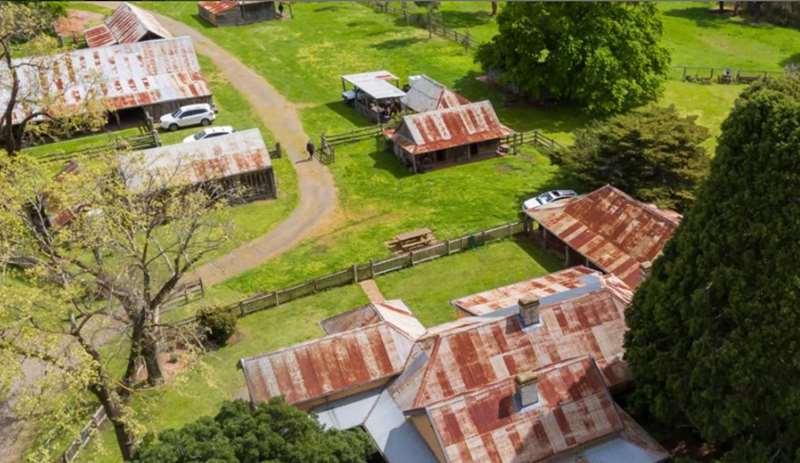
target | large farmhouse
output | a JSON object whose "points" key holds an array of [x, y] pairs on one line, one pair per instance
{"points": [[128, 24], [236, 161], [605, 229], [154, 77], [527, 381], [448, 136], [237, 12]]}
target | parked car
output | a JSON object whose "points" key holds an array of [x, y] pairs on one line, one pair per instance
{"points": [[185, 116], [211, 132], [547, 198]]}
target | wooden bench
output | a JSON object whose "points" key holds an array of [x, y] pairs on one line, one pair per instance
{"points": [[411, 241]]}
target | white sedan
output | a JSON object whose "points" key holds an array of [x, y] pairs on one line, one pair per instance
{"points": [[211, 132], [547, 198]]}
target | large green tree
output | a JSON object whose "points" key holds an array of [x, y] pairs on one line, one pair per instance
{"points": [[272, 432], [605, 57], [714, 340], [654, 154]]}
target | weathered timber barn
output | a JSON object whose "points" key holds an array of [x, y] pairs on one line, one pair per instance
{"points": [[425, 94], [448, 136], [154, 77], [128, 24], [237, 12], [239, 160], [606, 230]]}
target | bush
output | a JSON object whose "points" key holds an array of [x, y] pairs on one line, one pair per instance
{"points": [[217, 324]]}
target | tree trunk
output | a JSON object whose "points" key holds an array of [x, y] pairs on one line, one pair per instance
{"points": [[721, 7], [113, 408], [150, 354], [494, 7], [135, 353]]}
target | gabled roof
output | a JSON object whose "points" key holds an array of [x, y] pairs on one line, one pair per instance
{"points": [[447, 128], [375, 84], [426, 94], [574, 409], [122, 76], [225, 5], [507, 296], [394, 312], [584, 321], [127, 24], [614, 231]]}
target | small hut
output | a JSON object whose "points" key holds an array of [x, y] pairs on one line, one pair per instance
{"points": [[238, 160], [425, 94], [374, 94], [443, 137], [238, 12], [128, 24]]}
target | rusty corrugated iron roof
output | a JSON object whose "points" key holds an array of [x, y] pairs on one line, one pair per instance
{"points": [[614, 231], [447, 128], [395, 312], [196, 162], [575, 412], [573, 323], [127, 24], [507, 296], [332, 364], [123, 76], [218, 7]]}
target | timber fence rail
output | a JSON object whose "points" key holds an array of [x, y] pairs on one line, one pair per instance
{"points": [[98, 417], [134, 143], [427, 22], [721, 75], [532, 137]]}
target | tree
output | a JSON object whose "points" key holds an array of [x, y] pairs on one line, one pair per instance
{"points": [[714, 339], [271, 431], [495, 7], [605, 57], [653, 154], [29, 112], [99, 252]]}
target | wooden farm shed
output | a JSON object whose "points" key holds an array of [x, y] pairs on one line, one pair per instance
{"points": [[128, 24], [238, 160], [373, 94], [606, 230], [448, 136], [237, 12], [154, 77], [425, 94]]}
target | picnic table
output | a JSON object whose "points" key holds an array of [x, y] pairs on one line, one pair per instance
{"points": [[411, 241]]}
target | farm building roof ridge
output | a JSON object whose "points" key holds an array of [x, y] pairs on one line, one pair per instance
{"points": [[127, 24], [426, 94]]}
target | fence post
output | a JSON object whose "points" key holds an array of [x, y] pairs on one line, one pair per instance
{"points": [[411, 257], [448, 247], [467, 41], [372, 268], [277, 299], [355, 273]]}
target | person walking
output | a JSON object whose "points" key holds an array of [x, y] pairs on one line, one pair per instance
{"points": [[310, 148]]}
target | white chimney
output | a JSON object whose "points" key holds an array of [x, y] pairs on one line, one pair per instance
{"points": [[527, 389], [529, 309]]}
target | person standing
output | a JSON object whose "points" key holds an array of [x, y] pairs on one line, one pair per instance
{"points": [[310, 148]]}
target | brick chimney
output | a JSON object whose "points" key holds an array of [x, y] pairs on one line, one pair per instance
{"points": [[527, 389], [529, 309]]}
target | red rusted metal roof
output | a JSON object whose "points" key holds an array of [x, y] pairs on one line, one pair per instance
{"points": [[614, 231], [122, 76], [394, 312], [447, 128], [507, 296], [574, 408], [218, 7], [471, 356], [127, 24], [329, 365]]}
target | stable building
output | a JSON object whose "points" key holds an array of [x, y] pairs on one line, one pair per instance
{"points": [[448, 136], [128, 24], [132, 80], [425, 94], [526, 382], [237, 12], [605, 230], [236, 161]]}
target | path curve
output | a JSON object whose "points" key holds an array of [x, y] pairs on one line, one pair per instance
{"points": [[315, 182]]}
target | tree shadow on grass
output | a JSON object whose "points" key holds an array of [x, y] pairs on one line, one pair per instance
{"points": [[396, 43], [466, 19], [386, 161], [793, 59], [327, 8], [349, 113], [551, 262], [703, 16]]}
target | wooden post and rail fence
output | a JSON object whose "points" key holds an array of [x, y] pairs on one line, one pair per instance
{"points": [[428, 22]]}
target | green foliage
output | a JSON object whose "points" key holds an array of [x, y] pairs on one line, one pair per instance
{"points": [[272, 432], [217, 324], [605, 57], [653, 154], [714, 337]]}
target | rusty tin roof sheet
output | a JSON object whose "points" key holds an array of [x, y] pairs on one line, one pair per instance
{"points": [[127, 24], [614, 231], [218, 7], [507, 296], [426, 94], [195, 162], [123, 76], [447, 128], [325, 366], [574, 323], [395, 312]]}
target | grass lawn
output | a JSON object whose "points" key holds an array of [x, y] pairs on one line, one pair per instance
{"points": [[199, 391], [94, 8]]}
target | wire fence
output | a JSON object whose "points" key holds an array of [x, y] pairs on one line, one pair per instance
{"points": [[719, 75], [428, 22]]}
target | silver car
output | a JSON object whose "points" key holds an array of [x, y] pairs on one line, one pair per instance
{"points": [[185, 116], [547, 198]]}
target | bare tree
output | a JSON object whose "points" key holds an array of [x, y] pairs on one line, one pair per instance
{"points": [[105, 244]]}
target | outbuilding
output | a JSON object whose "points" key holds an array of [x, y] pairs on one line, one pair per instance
{"points": [[238, 12], [425, 94], [443, 137], [373, 94], [128, 24], [239, 160]]}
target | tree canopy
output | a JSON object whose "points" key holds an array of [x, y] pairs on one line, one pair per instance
{"points": [[714, 338], [271, 432], [605, 57], [653, 154]]}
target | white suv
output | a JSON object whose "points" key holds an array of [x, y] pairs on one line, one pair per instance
{"points": [[185, 116], [210, 132]]}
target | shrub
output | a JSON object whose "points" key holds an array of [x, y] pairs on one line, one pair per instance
{"points": [[217, 324]]}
